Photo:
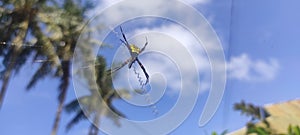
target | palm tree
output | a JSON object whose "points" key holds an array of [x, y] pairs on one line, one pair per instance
{"points": [[55, 28], [95, 108], [68, 26], [256, 113], [16, 23]]}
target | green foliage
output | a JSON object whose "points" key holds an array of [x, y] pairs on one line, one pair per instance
{"points": [[255, 112], [49, 29], [94, 107], [265, 129], [293, 130], [223, 133], [252, 128]]}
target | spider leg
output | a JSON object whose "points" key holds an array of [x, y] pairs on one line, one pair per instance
{"points": [[144, 45], [144, 70], [124, 35], [110, 71], [130, 64], [125, 42]]}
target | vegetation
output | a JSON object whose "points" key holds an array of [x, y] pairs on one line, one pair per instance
{"points": [[47, 31], [223, 133], [95, 108], [258, 114], [50, 29]]}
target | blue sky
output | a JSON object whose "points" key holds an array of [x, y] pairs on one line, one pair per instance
{"points": [[260, 40]]}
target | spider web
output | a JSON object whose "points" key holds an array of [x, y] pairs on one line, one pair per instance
{"points": [[140, 80]]}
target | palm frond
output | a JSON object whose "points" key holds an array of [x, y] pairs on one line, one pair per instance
{"points": [[75, 104], [41, 73], [79, 116]]}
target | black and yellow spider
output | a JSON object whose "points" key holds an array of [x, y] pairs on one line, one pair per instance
{"points": [[134, 52]]}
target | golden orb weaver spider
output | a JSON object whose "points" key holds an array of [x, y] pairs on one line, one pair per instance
{"points": [[134, 52]]}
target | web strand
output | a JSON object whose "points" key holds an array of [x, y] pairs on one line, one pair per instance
{"points": [[143, 91], [5, 44]]}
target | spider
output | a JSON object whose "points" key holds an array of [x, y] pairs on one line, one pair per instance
{"points": [[134, 52]]}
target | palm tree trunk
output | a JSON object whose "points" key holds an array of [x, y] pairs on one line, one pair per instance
{"points": [[16, 51], [58, 115], [62, 96]]}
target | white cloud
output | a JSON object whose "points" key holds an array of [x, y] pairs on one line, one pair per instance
{"points": [[176, 41], [195, 2], [241, 67], [244, 68], [179, 47], [182, 35], [105, 3], [161, 7]]}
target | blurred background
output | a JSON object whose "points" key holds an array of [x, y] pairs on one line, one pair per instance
{"points": [[37, 42]]}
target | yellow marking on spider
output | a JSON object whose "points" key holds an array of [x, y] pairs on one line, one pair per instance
{"points": [[134, 49]]}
